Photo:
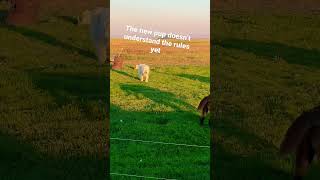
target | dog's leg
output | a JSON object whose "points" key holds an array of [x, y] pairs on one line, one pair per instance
{"points": [[139, 76], [201, 120], [209, 120], [202, 117], [147, 78]]}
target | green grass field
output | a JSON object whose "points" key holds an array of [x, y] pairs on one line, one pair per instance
{"points": [[53, 99], [266, 72], [52, 103], [163, 109]]}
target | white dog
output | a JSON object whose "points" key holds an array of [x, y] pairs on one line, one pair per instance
{"points": [[143, 72]]}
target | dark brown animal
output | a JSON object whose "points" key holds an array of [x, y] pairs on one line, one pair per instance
{"points": [[117, 61], [203, 108], [303, 139], [23, 12]]}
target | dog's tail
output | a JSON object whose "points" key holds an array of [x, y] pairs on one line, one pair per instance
{"points": [[203, 103]]}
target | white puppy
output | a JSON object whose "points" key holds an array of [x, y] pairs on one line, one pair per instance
{"points": [[143, 72]]}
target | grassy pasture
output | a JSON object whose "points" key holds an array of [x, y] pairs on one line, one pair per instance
{"points": [[164, 109], [52, 103], [266, 72]]}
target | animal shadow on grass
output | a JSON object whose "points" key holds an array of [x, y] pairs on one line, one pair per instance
{"points": [[20, 160], [150, 119], [195, 77], [157, 96], [40, 36], [203, 79], [124, 73], [292, 55], [79, 87]]}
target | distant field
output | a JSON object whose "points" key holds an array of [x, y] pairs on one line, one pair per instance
{"points": [[266, 72], [137, 52], [164, 109]]}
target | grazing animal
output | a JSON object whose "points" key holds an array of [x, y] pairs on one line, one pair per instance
{"points": [[117, 61], [303, 139], [203, 108], [143, 72], [22, 12], [99, 19]]}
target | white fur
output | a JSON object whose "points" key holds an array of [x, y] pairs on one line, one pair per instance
{"points": [[143, 72]]}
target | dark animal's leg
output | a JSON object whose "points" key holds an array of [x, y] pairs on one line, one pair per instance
{"points": [[304, 158], [206, 110], [201, 119], [203, 115]]}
